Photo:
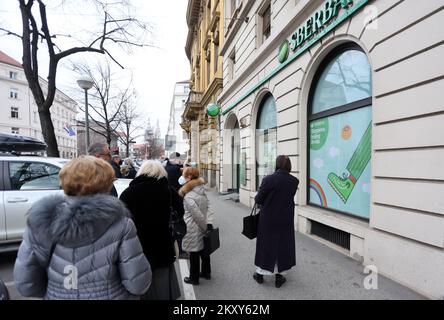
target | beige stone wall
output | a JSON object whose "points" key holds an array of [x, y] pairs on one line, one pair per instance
{"points": [[404, 237]]}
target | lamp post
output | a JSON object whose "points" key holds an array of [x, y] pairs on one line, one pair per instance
{"points": [[86, 83]]}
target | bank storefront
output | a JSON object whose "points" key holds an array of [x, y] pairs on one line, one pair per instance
{"points": [[341, 88]]}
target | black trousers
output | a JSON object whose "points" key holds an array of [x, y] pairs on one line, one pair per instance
{"points": [[195, 258]]}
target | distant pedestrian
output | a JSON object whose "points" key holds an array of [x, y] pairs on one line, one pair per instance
{"points": [[149, 199], [81, 245], [275, 245], [198, 218], [173, 167], [101, 150], [131, 174], [116, 162]]}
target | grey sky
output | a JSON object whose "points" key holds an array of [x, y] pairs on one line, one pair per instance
{"points": [[155, 70]]}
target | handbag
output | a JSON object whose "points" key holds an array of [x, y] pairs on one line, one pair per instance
{"points": [[178, 227], [251, 223], [211, 241]]}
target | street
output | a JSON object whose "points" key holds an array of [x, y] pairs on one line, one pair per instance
{"points": [[320, 273]]}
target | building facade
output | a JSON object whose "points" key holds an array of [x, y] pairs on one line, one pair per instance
{"points": [[176, 139], [352, 93], [20, 114], [97, 133], [205, 19]]}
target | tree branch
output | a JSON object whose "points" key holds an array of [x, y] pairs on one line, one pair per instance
{"points": [[10, 33]]}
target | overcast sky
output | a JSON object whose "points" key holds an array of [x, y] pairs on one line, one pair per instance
{"points": [[155, 70]]}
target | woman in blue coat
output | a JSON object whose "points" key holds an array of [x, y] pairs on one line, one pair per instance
{"points": [[275, 245]]}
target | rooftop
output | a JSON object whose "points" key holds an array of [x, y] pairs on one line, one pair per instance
{"points": [[4, 58]]}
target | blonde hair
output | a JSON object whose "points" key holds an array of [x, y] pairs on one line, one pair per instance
{"points": [[191, 172], [86, 175], [152, 168]]}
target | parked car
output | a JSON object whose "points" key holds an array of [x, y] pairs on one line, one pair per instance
{"points": [[23, 181]]}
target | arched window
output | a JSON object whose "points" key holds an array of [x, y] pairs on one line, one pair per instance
{"points": [[339, 133], [266, 138]]}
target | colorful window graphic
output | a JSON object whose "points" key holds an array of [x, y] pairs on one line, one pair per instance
{"points": [[340, 134]]}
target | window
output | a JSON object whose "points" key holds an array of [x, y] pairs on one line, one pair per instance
{"points": [[33, 176], [14, 112], [15, 130], [216, 57], [231, 65], [233, 6], [13, 93], [266, 23], [34, 118], [266, 139], [13, 75], [339, 133], [208, 65]]}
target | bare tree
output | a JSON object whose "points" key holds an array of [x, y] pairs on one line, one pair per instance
{"points": [[106, 104], [128, 118], [115, 30]]}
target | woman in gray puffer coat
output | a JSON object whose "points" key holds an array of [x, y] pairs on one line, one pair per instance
{"points": [[198, 218], [83, 245]]}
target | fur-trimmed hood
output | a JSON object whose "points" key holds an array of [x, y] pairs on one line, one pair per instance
{"points": [[74, 221], [197, 184]]}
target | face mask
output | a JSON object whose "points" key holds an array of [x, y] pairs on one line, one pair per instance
{"points": [[182, 180]]}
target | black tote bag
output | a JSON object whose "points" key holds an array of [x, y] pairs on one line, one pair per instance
{"points": [[211, 241], [251, 223]]}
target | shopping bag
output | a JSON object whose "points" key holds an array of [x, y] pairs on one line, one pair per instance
{"points": [[251, 223], [211, 241]]}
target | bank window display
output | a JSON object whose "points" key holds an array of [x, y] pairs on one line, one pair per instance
{"points": [[340, 123], [266, 139]]}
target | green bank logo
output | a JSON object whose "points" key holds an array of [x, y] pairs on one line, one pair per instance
{"points": [[284, 49]]}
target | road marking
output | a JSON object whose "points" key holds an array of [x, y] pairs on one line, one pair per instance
{"points": [[188, 289]]}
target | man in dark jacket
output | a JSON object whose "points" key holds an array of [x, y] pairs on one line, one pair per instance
{"points": [[101, 150]]}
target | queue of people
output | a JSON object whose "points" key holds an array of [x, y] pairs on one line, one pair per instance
{"points": [[88, 244]]}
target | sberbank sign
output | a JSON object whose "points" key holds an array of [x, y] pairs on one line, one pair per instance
{"points": [[313, 26], [318, 21]]}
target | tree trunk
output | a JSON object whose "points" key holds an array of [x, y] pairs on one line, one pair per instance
{"points": [[48, 133], [127, 140]]}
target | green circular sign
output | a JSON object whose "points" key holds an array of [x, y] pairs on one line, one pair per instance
{"points": [[213, 110], [318, 133], [283, 51]]}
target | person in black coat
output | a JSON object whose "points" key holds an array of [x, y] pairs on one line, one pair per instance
{"points": [[275, 245], [173, 167], [148, 198]]}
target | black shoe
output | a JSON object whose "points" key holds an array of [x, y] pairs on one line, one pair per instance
{"points": [[280, 280], [205, 275], [258, 277], [190, 281]]}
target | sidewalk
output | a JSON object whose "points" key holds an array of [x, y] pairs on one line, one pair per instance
{"points": [[320, 272]]}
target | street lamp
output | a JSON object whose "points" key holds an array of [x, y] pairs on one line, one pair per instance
{"points": [[86, 83]]}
